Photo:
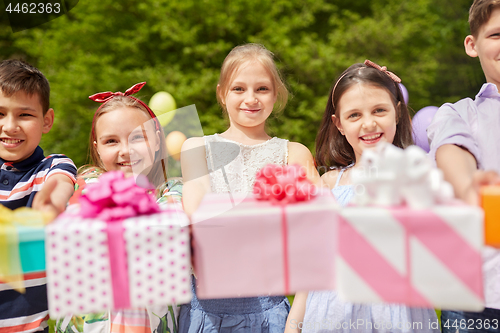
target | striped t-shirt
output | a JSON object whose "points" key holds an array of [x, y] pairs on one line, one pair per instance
{"points": [[19, 182]]}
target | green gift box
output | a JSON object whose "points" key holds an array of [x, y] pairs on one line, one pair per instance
{"points": [[22, 244], [31, 248]]}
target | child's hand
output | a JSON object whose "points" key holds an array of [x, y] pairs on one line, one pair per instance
{"points": [[480, 178], [460, 170], [54, 195], [42, 201]]}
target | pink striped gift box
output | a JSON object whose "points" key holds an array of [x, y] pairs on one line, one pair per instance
{"points": [[244, 247], [422, 258]]}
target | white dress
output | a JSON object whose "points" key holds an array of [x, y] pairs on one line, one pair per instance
{"points": [[232, 168], [240, 162]]}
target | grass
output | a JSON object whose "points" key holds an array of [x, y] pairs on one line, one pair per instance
{"points": [[52, 325]]}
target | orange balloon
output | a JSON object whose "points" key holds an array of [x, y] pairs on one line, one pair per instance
{"points": [[174, 143]]}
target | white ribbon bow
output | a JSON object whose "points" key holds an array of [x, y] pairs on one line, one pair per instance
{"points": [[390, 176]]}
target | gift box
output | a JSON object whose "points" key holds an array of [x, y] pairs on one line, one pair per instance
{"points": [[22, 249], [244, 247], [408, 241], [490, 201], [31, 248], [422, 258], [101, 263], [83, 273]]}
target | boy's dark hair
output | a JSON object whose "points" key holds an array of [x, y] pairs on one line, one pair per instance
{"points": [[479, 14], [332, 148], [17, 75]]}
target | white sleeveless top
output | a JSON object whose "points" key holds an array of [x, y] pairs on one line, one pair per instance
{"points": [[233, 166]]}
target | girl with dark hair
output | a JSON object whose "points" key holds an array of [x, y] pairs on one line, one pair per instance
{"points": [[365, 107]]}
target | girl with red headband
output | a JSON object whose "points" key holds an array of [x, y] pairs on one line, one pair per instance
{"points": [[127, 136]]}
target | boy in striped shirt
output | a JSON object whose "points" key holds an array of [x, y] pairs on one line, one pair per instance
{"points": [[27, 178]]}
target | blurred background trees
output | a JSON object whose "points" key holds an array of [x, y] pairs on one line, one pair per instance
{"points": [[179, 45]]}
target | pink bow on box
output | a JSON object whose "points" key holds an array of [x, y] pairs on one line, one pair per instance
{"points": [[116, 197], [283, 184], [113, 199]]}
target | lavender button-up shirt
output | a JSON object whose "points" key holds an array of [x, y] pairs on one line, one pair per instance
{"points": [[475, 126]]}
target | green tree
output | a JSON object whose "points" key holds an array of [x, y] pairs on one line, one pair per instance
{"points": [[179, 45]]}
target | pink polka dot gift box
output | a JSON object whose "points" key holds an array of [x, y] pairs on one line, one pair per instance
{"points": [[117, 251]]}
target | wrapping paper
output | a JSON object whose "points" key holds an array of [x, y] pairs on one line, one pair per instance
{"points": [[490, 201], [79, 266], [21, 244], [242, 248], [424, 258]]}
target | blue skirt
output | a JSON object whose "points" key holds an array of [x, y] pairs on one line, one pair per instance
{"points": [[249, 314]]}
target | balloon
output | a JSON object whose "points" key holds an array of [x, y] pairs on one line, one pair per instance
{"points": [[174, 143], [404, 91], [163, 105], [421, 120]]}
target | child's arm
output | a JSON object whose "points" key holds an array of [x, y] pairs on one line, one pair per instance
{"points": [[297, 312], [460, 170], [299, 154], [195, 174], [54, 195]]}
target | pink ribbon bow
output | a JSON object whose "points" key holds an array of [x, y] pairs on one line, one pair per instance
{"points": [[393, 76], [106, 96], [112, 200], [116, 197], [282, 185]]}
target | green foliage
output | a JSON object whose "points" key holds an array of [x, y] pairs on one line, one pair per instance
{"points": [[179, 45]]}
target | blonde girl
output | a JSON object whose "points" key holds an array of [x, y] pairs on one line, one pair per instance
{"points": [[250, 88]]}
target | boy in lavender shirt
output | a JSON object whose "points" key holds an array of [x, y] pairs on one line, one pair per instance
{"points": [[465, 141]]}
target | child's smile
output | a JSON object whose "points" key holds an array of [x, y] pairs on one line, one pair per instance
{"points": [[371, 138], [11, 143], [367, 115], [126, 140], [22, 123], [251, 96], [128, 164]]}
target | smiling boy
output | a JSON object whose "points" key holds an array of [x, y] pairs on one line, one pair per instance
{"points": [[465, 141], [28, 179]]}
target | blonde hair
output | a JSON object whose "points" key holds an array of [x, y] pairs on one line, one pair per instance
{"points": [[157, 175], [248, 53], [479, 14]]}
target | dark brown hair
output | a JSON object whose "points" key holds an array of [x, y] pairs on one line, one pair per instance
{"points": [[479, 14], [332, 148], [17, 75], [158, 174]]}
